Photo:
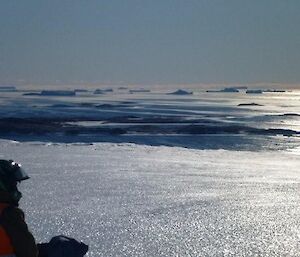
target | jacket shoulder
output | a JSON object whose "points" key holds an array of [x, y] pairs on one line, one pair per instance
{"points": [[15, 226], [12, 213]]}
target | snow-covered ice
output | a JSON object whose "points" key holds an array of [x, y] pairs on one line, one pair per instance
{"points": [[134, 200]]}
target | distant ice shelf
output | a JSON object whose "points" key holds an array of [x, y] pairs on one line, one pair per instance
{"points": [[52, 93], [8, 89]]}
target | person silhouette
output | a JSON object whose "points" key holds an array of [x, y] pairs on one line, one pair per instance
{"points": [[15, 237]]}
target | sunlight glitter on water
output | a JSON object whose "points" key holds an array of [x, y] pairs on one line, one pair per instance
{"points": [[295, 151]]}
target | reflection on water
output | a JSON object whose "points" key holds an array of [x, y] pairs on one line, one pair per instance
{"points": [[295, 150]]}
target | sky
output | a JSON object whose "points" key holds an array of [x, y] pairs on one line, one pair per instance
{"points": [[149, 41]]}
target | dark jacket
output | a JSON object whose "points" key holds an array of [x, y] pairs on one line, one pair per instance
{"points": [[13, 222]]}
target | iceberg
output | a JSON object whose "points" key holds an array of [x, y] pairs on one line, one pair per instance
{"points": [[181, 92], [102, 91], [58, 93], [254, 91], [249, 104], [141, 90], [225, 90]]}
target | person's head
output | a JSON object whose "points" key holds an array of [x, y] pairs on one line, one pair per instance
{"points": [[11, 174]]}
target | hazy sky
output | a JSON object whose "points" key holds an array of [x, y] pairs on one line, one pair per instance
{"points": [[150, 41]]}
